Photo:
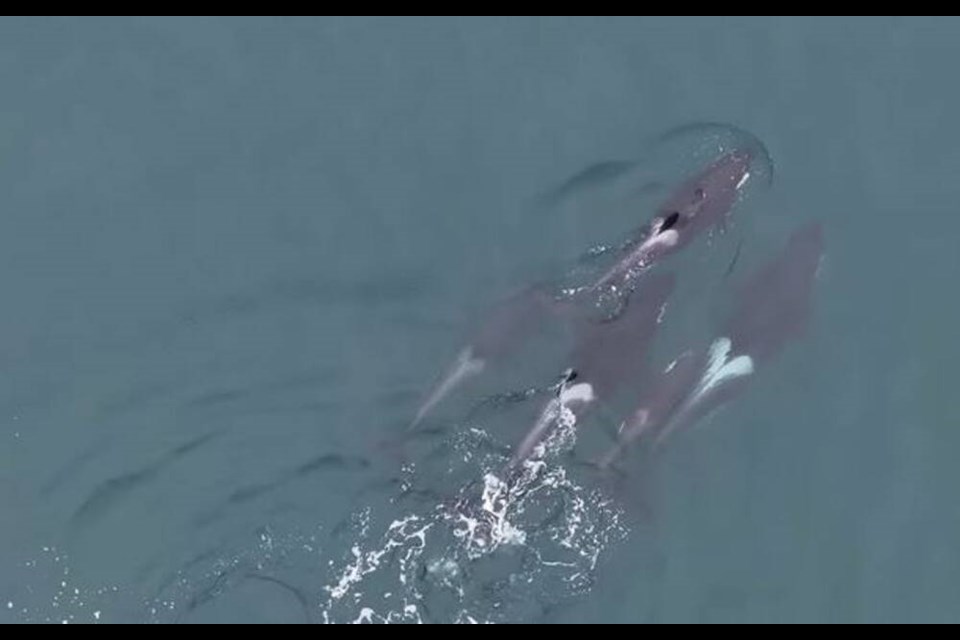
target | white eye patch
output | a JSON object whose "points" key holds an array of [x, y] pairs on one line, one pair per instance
{"points": [[667, 238], [582, 392]]}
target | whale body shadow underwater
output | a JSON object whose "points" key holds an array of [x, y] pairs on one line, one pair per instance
{"points": [[505, 508]]}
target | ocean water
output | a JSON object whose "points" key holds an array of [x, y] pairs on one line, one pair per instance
{"points": [[235, 253]]}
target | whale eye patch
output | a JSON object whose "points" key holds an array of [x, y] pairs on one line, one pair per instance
{"points": [[670, 221]]}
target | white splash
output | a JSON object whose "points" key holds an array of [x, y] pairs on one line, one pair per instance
{"points": [[398, 535], [662, 313], [431, 553], [365, 617], [487, 531]]}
